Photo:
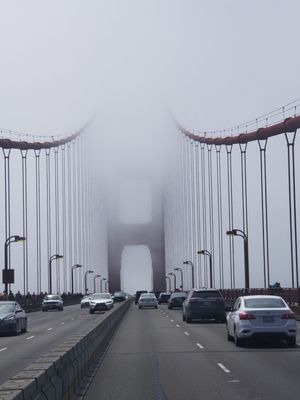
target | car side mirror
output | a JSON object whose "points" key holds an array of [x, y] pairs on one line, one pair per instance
{"points": [[18, 311]]}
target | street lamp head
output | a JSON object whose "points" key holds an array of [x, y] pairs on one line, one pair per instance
{"points": [[19, 238], [177, 269], [97, 276], [233, 232], [185, 262], [89, 271], [59, 256], [200, 252]]}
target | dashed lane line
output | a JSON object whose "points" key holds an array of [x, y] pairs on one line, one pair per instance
{"points": [[178, 326], [49, 329], [172, 320], [4, 348], [199, 345], [62, 323], [186, 333], [223, 368], [30, 337]]}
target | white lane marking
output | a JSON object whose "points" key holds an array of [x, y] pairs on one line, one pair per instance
{"points": [[62, 323], [178, 326], [223, 368], [49, 329], [199, 345], [172, 320], [30, 337], [234, 381], [167, 316], [186, 333], [4, 348], [72, 319]]}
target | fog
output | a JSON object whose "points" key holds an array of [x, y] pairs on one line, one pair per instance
{"points": [[128, 65]]}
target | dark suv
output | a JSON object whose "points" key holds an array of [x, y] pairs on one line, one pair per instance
{"points": [[138, 295], [204, 304]]}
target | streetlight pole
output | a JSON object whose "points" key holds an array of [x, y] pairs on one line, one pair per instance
{"points": [[193, 271], [239, 232], [102, 279], [96, 276], [181, 273], [167, 277], [106, 286], [208, 253], [172, 273], [8, 275], [54, 257], [72, 275], [85, 280]]}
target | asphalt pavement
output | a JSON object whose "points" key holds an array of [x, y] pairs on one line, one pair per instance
{"points": [[154, 355]]}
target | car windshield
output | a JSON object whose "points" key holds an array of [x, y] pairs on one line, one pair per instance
{"points": [[6, 308], [52, 297], [206, 294], [148, 296], [118, 294], [178, 295], [264, 303], [101, 296]]}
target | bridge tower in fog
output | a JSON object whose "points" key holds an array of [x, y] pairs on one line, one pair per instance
{"points": [[149, 234]]}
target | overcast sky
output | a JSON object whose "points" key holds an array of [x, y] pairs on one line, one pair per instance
{"points": [[212, 64]]}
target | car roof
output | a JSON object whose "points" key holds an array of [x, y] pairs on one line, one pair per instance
{"points": [[8, 302], [261, 296]]}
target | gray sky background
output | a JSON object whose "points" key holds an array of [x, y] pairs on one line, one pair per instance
{"points": [[213, 64]]}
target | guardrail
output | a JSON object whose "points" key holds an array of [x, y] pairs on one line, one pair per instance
{"points": [[57, 375], [290, 295]]}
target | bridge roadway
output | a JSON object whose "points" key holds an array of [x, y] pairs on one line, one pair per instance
{"points": [[156, 356], [46, 330]]}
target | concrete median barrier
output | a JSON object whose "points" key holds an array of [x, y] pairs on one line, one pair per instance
{"points": [[59, 374]]}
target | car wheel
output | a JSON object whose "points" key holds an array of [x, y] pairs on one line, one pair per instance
{"points": [[140, 307], [229, 337], [92, 311], [183, 316], [45, 309], [189, 318], [291, 341], [25, 327], [17, 330], [156, 307], [237, 341]]}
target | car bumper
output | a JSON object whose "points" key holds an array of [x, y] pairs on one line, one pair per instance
{"points": [[248, 331], [145, 305], [8, 326]]}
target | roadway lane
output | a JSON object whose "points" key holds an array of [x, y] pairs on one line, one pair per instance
{"points": [[155, 355], [46, 330]]}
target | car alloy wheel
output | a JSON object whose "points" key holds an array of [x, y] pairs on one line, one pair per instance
{"points": [[238, 341]]}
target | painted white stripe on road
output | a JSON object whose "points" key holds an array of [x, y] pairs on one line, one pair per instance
{"points": [[167, 316], [62, 323], [30, 337], [4, 348], [178, 326], [172, 320], [186, 333], [223, 368], [49, 329], [234, 381], [199, 345]]}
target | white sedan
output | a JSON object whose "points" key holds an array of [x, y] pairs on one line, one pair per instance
{"points": [[147, 300], [261, 316]]}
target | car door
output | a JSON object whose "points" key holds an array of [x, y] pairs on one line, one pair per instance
{"points": [[232, 316]]}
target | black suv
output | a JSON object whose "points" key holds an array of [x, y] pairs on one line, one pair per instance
{"points": [[164, 297], [176, 300], [204, 304], [138, 294]]}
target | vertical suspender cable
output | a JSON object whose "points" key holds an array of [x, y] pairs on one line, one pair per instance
{"points": [[25, 214], [6, 153], [56, 204], [79, 226], [64, 218], [48, 206], [38, 220], [230, 215], [204, 227], [243, 148], [74, 217], [290, 139], [184, 206], [70, 225], [193, 214], [220, 217], [211, 211], [264, 210], [198, 214]]}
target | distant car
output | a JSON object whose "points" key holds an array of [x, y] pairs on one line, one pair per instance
{"points": [[204, 304], [147, 300], [52, 302], [101, 302], [119, 296], [13, 318], [261, 317], [176, 299], [137, 295], [164, 297], [85, 301]]}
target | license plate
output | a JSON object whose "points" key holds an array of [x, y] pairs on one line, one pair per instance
{"points": [[268, 318]]}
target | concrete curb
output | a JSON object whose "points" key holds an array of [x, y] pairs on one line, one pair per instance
{"points": [[58, 374]]}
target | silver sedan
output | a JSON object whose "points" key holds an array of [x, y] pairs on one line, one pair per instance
{"points": [[148, 300]]}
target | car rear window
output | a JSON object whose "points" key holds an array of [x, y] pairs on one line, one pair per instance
{"points": [[148, 296], [264, 303], [178, 295], [206, 294]]}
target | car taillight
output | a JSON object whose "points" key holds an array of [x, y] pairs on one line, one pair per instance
{"points": [[290, 315], [244, 315]]}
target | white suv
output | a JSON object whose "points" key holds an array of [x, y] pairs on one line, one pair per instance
{"points": [[101, 302], [52, 301]]}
